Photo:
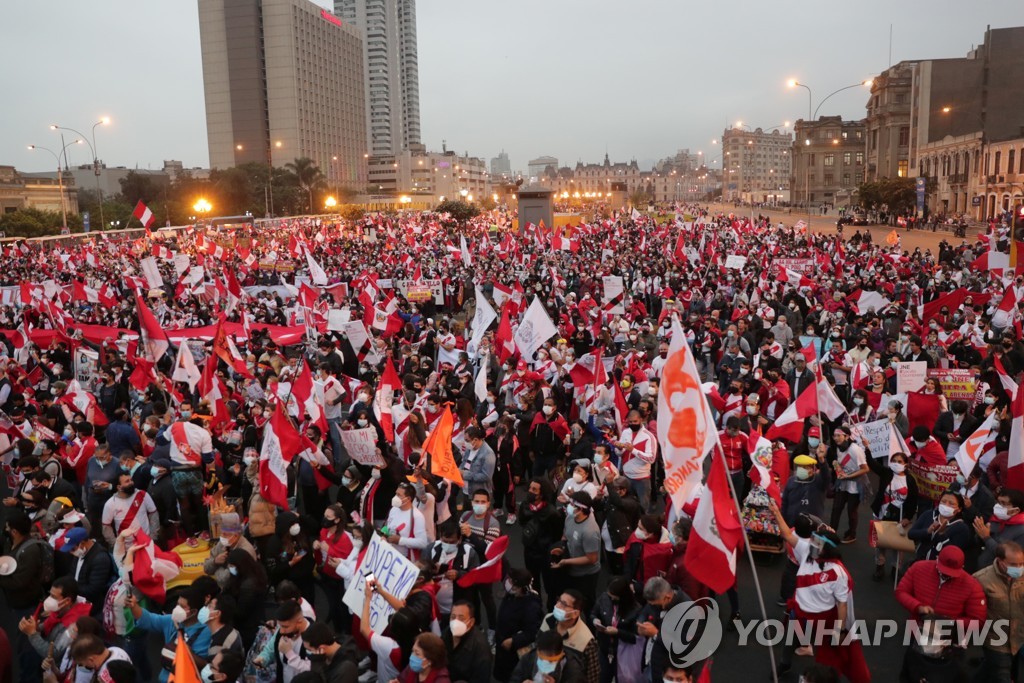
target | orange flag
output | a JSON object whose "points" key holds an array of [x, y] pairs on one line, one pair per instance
{"points": [[185, 670], [439, 446]]}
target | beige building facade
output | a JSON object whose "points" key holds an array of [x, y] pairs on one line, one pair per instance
{"points": [[828, 161], [756, 164], [428, 176], [36, 191]]}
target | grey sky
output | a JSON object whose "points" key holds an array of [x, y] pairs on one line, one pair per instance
{"points": [[561, 77]]}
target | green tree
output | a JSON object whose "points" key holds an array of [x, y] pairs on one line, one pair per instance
{"points": [[639, 198], [309, 177], [352, 212], [136, 187], [459, 210], [31, 222]]}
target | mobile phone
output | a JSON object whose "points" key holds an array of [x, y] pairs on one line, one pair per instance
{"points": [[370, 578]]}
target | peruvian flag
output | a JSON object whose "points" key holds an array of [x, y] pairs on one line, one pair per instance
{"points": [[503, 339], [789, 426], [490, 570], [390, 382], [991, 260], [213, 391], [154, 339], [828, 403], [1015, 474], [304, 391], [711, 553], [1004, 378], [863, 301], [153, 567], [621, 407], [144, 215], [281, 443], [761, 455], [1003, 315], [81, 401], [794, 278]]}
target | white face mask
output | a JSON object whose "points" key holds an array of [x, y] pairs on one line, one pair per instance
{"points": [[293, 530], [248, 460], [396, 502], [640, 534], [751, 410], [357, 543], [548, 410], [897, 468], [458, 628], [1000, 512], [51, 605], [945, 510], [375, 474], [178, 614], [578, 478]]}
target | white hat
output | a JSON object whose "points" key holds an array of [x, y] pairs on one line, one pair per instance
{"points": [[73, 517], [7, 565]]}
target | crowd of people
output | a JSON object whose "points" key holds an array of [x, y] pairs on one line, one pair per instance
{"points": [[152, 499]]}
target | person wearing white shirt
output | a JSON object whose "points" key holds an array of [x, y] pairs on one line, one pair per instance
{"points": [[639, 450], [406, 527], [129, 508]]}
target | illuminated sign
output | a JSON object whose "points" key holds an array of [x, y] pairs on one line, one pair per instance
{"points": [[330, 17], [443, 164]]}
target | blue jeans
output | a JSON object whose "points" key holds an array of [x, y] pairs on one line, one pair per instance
{"points": [[642, 489], [339, 453]]}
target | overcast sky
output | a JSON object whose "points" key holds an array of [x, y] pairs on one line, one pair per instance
{"points": [[567, 78]]}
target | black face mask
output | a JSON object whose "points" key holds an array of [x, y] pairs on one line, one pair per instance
{"points": [[329, 523], [635, 428]]}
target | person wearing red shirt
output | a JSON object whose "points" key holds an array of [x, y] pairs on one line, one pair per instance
{"points": [[334, 546], [926, 448], [736, 447]]}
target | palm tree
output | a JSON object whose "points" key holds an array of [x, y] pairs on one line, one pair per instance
{"points": [[309, 176]]}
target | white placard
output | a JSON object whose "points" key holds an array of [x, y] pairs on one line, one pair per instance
{"points": [[392, 571], [337, 317], [735, 261], [361, 445], [152, 272], [613, 292], [181, 264], [910, 376], [874, 436], [87, 363]]}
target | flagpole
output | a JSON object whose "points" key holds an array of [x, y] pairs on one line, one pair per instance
{"points": [[750, 556]]}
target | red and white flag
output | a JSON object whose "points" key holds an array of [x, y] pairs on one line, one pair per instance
{"points": [[1004, 378], [81, 401], [863, 301], [490, 570], [791, 277], [153, 568], [144, 215], [185, 368], [213, 391], [711, 553], [390, 382], [304, 391], [154, 339], [686, 425], [281, 443], [789, 426], [1015, 462], [828, 402], [969, 454]]}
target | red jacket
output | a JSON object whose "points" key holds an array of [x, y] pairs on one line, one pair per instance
{"points": [[960, 598], [931, 454]]}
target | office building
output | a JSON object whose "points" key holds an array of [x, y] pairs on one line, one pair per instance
{"points": [[390, 71], [756, 164], [827, 161], [501, 166], [19, 190], [428, 176], [283, 80], [535, 168]]}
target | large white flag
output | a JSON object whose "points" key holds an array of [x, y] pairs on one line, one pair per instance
{"points": [[152, 272], [481, 380], [185, 368], [466, 258], [316, 273], [535, 329], [482, 319], [970, 452], [686, 425]]}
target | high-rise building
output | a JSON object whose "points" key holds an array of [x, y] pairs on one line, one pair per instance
{"points": [[757, 164], [283, 80], [536, 167], [500, 165], [390, 71], [827, 161]]}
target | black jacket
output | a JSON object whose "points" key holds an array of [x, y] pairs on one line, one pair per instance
{"points": [[519, 618], [96, 576], [622, 513], [570, 670], [944, 427], [470, 660]]}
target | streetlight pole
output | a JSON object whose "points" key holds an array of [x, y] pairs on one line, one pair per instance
{"points": [[95, 157], [60, 177]]}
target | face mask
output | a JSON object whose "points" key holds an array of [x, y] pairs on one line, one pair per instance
{"points": [[635, 428], [179, 614], [204, 614], [51, 605], [449, 548], [416, 663], [990, 400], [751, 410], [744, 372], [640, 534], [458, 628], [233, 571], [1000, 512], [79, 552], [897, 468], [362, 423], [802, 474], [919, 444], [1015, 572], [546, 666], [248, 460], [549, 410], [328, 523], [208, 674], [293, 530], [154, 471], [858, 401], [375, 474], [570, 510], [508, 586], [396, 502], [813, 441], [598, 459], [124, 468], [365, 398], [186, 414], [559, 614], [945, 510]]}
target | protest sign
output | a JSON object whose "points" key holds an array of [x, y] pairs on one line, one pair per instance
{"points": [[419, 293], [152, 272], [873, 436], [735, 261], [181, 264], [337, 317], [799, 265], [86, 363], [361, 445], [932, 481], [433, 283], [910, 376], [614, 294], [956, 384], [392, 571]]}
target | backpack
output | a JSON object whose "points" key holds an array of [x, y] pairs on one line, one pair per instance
{"points": [[46, 571]]}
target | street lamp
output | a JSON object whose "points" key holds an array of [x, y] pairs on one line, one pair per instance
{"points": [[202, 207], [330, 203], [60, 176], [105, 121]]}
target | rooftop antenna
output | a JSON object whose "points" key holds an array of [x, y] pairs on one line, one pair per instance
{"points": [[890, 44]]}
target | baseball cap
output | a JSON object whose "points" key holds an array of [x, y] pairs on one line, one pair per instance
{"points": [[814, 431], [230, 523], [951, 562], [72, 538], [804, 460]]}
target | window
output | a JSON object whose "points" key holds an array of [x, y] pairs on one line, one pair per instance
{"points": [[904, 136], [811, 160], [901, 170], [830, 159], [859, 176], [846, 180], [846, 134], [830, 179], [859, 135], [874, 139], [860, 158], [998, 162], [846, 158], [810, 177], [1021, 169]]}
